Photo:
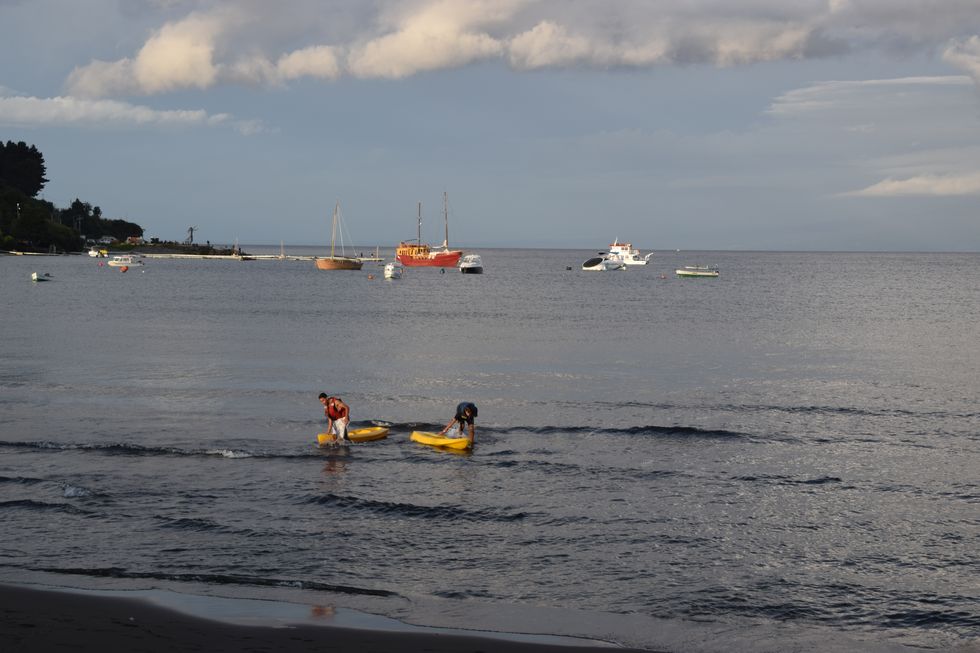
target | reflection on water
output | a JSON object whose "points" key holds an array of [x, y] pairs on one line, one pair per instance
{"points": [[322, 611], [336, 460]]}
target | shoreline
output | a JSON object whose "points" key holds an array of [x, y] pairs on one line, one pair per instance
{"points": [[35, 618]]}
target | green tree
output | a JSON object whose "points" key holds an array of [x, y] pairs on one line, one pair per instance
{"points": [[9, 200], [64, 238], [38, 224], [22, 167], [121, 229], [79, 216], [30, 225]]}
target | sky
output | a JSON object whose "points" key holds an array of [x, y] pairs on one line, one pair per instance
{"points": [[841, 125]]}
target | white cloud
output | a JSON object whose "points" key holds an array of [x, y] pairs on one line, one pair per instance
{"points": [[929, 185], [965, 55], [549, 44], [179, 55], [253, 70], [321, 62], [441, 34], [857, 95], [906, 134], [24, 111], [103, 78], [256, 42]]}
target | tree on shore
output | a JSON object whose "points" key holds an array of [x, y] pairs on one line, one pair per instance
{"points": [[22, 168], [30, 223], [88, 220]]}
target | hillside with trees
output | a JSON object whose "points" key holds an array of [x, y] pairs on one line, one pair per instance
{"points": [[31, 224]]}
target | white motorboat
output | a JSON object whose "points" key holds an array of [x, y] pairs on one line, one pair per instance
{"points": [[471, 264], [126, 260], [696, 271], [393, 270], [627, 254], [603, 263], [95, 252]]}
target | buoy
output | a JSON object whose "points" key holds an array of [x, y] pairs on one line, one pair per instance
{"points": [[370, 276], [124, 268]]}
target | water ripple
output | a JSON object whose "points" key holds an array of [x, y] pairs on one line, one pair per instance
{"points": [[443, 512]]}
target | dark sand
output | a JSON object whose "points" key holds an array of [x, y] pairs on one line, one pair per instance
{"points": [[43, 620]]}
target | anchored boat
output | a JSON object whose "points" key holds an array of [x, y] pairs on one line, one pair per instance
{"points": [[627, 254], [393, 270], [696, 271], [418, 254], [603, 263], [471, 264], [126, 261], [341, 262]]}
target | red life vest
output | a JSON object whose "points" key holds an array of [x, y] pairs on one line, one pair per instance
{"points": [[332, 411]]}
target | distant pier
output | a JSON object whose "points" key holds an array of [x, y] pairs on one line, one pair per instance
{"points": [[233, 257]]}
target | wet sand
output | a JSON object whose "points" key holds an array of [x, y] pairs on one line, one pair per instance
{"points": [[46, 620]]}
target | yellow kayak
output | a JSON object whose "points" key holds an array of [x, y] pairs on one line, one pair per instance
{"points": [[356, 435], [436, 440]]}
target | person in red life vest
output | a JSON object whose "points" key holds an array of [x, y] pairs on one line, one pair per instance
{"points": [[338, 415], [465, 414]]}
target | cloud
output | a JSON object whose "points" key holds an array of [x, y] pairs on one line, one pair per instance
{"points": [[321, 62], [905, 133], [965, 55], [179, 55], [925, 185], [255, 42], [551, 45], [855, 95], [22, 111], [442, 34]]}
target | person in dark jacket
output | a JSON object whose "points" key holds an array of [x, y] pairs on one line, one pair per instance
{"points": [[465, 414]]}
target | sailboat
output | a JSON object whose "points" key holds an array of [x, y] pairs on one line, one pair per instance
{"points": [[417, 254], [333, 262]]}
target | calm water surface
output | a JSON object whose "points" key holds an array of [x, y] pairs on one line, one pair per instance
{"points": [[785, 456]]}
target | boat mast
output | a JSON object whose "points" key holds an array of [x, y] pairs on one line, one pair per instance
{"points": [[445, 213], [419, 241], [333, 229]]}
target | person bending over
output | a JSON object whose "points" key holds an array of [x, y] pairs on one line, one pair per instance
{"points": [[465, 414], [338, 415]]}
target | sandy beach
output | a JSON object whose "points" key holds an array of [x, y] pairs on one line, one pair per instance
{"points": [[47, 620]]}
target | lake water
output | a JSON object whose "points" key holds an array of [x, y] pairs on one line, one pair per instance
{"points": [[782, 457]]}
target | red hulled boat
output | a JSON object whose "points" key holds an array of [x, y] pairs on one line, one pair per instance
{"points": [[418, 254]]}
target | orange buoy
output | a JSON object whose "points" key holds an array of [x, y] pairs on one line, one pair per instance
{"points": [[124, 268]]}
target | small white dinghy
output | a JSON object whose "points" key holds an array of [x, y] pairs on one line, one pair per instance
{"points": [[393, 270], [696, 271], [471, 264]]}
